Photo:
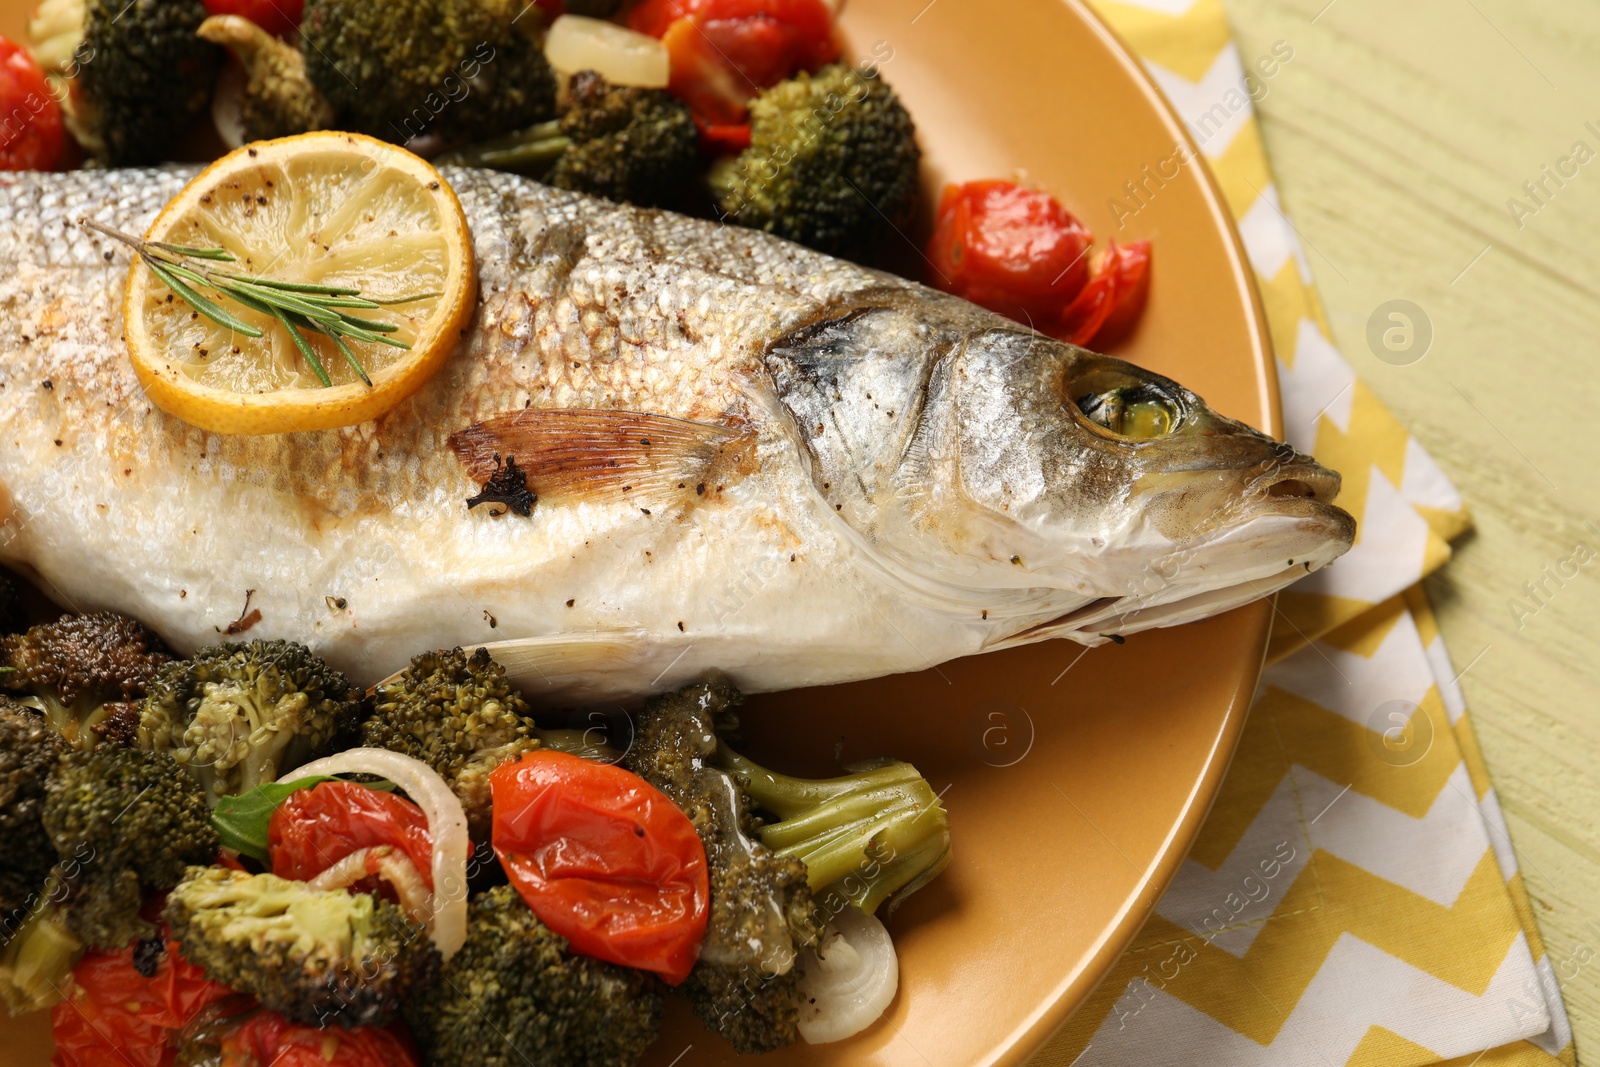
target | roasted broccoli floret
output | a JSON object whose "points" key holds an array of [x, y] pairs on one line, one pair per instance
{"points": [[458, 714], [278, 98], [877, 833], [82, 671], [317, 956], [777, 848], [37, 953], [29, 749], [136, 74], [621, 142], [238, 715], [514, 996], [744, 986], [832, 162], [465, 69], [122, 821]]}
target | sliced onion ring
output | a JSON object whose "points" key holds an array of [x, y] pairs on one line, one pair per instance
{"points": [[621, 56], [848, 980], [388, 863], [447, 825]]}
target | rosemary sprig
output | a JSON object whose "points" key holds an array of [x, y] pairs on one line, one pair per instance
{"points": [[296, 306]]}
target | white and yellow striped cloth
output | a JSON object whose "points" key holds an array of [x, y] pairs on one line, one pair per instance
{"points": [[1354, 897]]}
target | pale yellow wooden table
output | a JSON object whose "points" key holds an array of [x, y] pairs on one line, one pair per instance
{"points": [[1402, 134]]}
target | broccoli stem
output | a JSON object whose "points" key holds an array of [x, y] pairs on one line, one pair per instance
{"points": [[39, 956], [874, 833], [532, 151]]}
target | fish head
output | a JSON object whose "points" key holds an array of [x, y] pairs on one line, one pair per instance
{"points": [[1058, 491]]}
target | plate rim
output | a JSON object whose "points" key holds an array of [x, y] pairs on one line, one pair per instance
{"points": [[1076, 989]]}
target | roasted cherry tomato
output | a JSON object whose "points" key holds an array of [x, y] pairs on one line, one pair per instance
{"points": [[1012, 249], [315, 828], [1110, 303], [604, 859], [274, 16], [267, 1039], [30, 118], [725, 51], [117, 1015]]}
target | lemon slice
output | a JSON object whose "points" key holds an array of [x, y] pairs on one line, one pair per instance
{"points": [[334, 209]]}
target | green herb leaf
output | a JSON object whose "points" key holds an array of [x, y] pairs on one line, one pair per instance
{"points": [[200, 303], [305, 348], [242, 821]]}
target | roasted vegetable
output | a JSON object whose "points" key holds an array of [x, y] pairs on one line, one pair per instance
{"points": [[238, 715], [621, 142], [515, 996], [84, 673], [122, 821], [785, 854], [37, 950], [744, 986], [37, 953], [464, 69], [318, 956], [832, 163], [29, 749], [136, 74], [278, 98], [458, 714]]}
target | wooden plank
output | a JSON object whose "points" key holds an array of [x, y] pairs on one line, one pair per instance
{"points": [[1398, 133]]}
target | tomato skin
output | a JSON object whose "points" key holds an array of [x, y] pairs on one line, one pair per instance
{"points": [[725, 51], [315, 828], [1120, 284], [30, 119], [116, 1015], [1015, 251], [267, 1039], [1018, 252], [274, 16], [604, 859]]}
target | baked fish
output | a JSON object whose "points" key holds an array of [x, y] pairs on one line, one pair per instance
{"points": [[738, 454]]}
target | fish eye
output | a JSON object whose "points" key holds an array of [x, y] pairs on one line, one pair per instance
{"points": [[1139, 413]]}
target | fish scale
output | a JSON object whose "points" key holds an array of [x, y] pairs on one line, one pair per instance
{"points": [[980, 510]]}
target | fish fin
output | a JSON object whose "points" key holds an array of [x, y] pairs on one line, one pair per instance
{"points": [[581, 453]]}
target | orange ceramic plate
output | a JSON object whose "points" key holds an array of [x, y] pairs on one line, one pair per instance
{"points": [[1075, 781]]}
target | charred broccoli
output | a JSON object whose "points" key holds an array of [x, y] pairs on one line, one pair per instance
{"points": [[745, 986], [136, 74], [239, 715], [29, 750], [620, 142], [832, 162], [317, 956], [278, 98], [465, 69], [85, 673], [514, 996], [459, 714], [122, 820]]}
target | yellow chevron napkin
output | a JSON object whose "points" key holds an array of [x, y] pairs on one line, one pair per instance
{"points": [[1353, 897]]}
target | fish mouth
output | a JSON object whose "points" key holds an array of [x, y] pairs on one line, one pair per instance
{"points": [[1288, 505], [1303, 489]]}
